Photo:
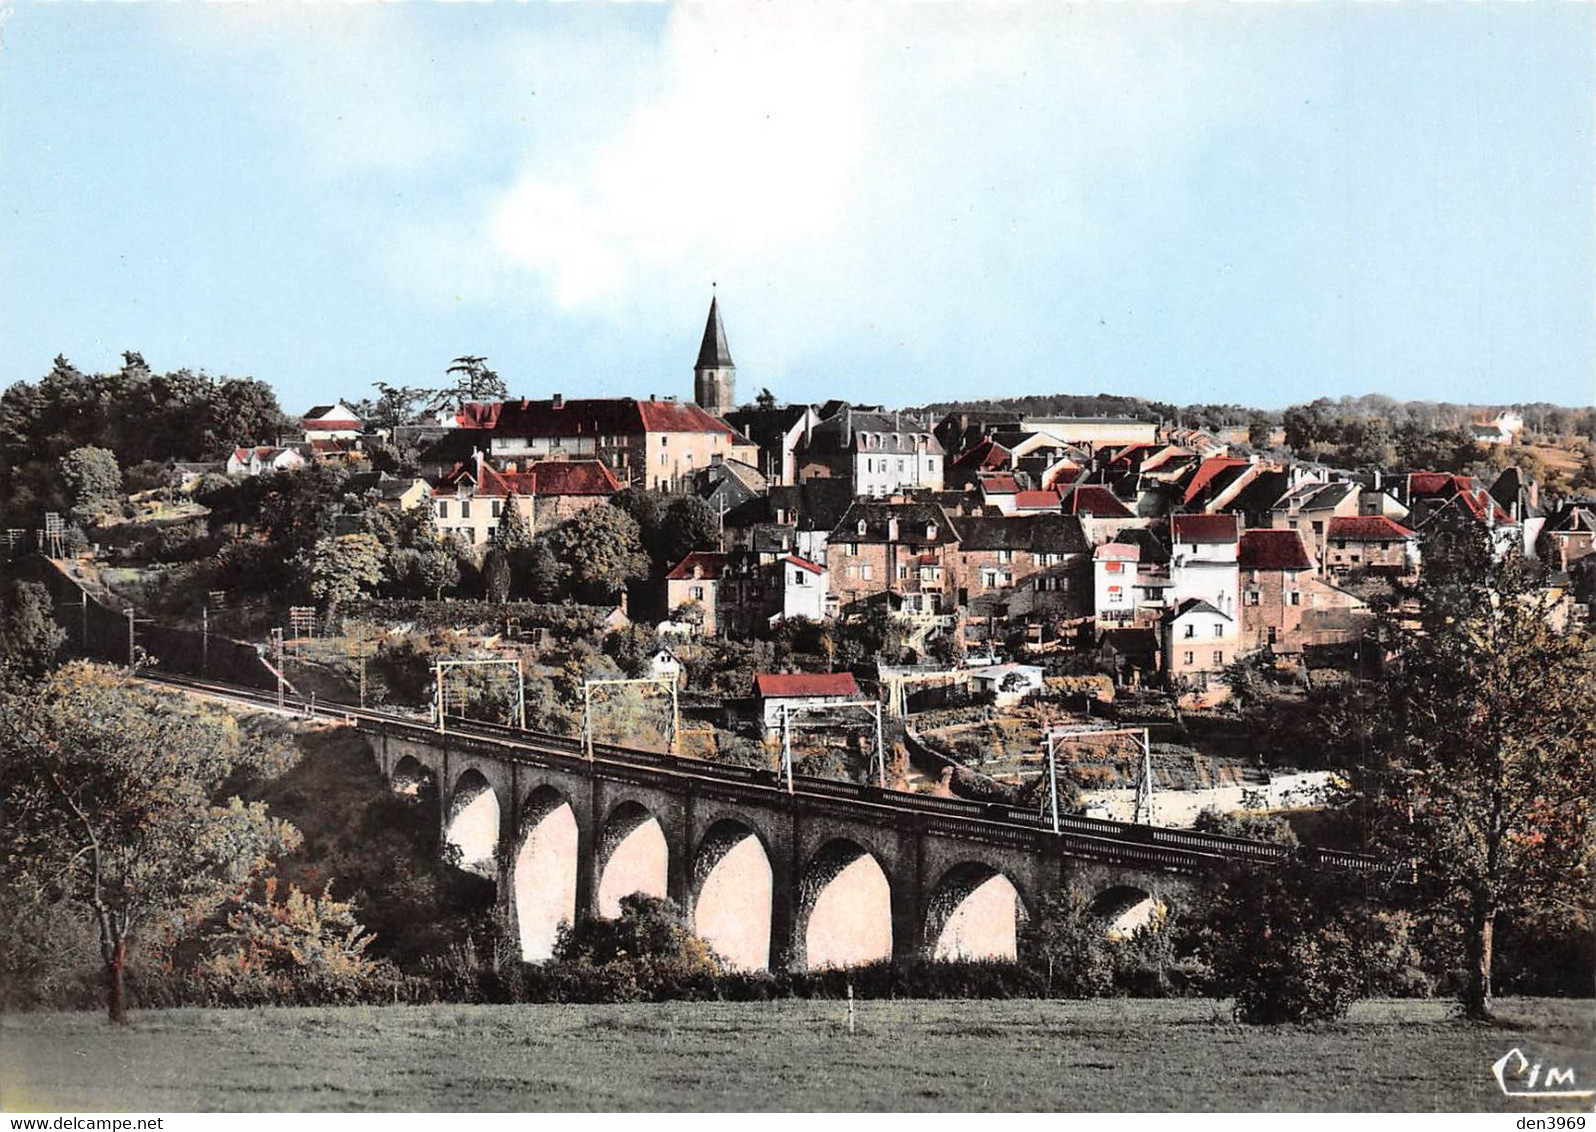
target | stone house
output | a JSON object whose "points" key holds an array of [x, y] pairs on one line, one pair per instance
{"points": [[881, 454], [1203, 560], [1370, 544], [1198, 641], [260, 460], [1025, 568], [696, 579], [903, 553], [795, 691], [470, 500], [1273, 566]]}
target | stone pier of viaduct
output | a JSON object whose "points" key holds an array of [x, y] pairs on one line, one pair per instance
{"points": [[770, 878]]}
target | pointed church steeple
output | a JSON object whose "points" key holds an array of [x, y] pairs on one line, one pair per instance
{"points": [[714, 375]]}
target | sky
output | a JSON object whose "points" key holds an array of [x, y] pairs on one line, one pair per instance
{"points": [[1253, 203]]}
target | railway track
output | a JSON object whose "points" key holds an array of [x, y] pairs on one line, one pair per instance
{"points": [[1094, 838]]}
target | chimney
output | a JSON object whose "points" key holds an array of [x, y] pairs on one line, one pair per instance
{"points": [[558, 401], [892, 528]]}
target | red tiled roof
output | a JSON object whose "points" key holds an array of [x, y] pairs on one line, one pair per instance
{"points": [[331, 445], [794, 560], [1117, 551], [679, 416], [1203, 528], [988, 454], [709, 563], [310, 424], [1206, 473], [784, 684], [479, 414], [1273, 550], [1444, 484], [999, 485], [1130, 453], [1066, 475], [609, 416], [1366, 528], [1036, 500], [1096, 501], [1480, 504], [572, 477]]}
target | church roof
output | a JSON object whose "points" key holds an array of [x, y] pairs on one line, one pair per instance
{"points": [[714, 353]]}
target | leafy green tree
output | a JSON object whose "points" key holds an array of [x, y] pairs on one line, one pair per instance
{"points": [[302, 946], [512, 533], [601, 550], [1067, 944], [496, 574], [1258, 431], [544, 573], [1254, 827], [631, 648], [29, 636], [115, 802], [1485, 746], [688, 525], [437, 568], [92, 477], [647, 953], [343, 567], [473, 381]]}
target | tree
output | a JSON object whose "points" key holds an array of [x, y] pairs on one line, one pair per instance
{"points": [[1067, 945], [91, 476], [689, 525], [437, 568], [341, 567], [1259, 431], [766, 400], [397, 405], [1290, 943], [601, 551], [473, 381], [631, 647], [29, 636], [496, 575], [1485, 747], [512, 533], [114, 803]]}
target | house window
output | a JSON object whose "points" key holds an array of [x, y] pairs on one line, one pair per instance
{"points": [[1219, 630], [1252, 597], [1219, 658], [443, 508], [931, 464], [861, 526], [1112, 567], [697, 592], [866, 571], [1191, 631], [1005, 556], [465, 509], [1190, 658], [797, 577], [1296, 597], [493, 508], [853, 549], [903, 573]]}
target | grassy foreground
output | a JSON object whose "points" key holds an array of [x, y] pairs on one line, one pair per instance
{"points": [[1102, 1055]]}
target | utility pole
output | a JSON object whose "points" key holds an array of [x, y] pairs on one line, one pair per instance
{"points": [[1144, 784], [1052, 780], [130, 651], [786, 748], [277, 648], [881, 757], [205, 638]]}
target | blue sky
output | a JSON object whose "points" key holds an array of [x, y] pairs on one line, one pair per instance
{"points": [[1254, 203]]}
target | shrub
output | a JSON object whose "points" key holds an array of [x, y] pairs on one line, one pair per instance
{"points": [[1291, 943]]}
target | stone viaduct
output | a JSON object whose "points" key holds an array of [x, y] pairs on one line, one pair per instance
{"points": [[828, 874]]}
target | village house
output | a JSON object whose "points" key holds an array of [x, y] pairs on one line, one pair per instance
{"points": [[399, 493], [1569, 534], [1021, 569], [793, 692], [881, 454], [1370, 544], [695, 582], [777, 433], [1309, 508], [1198, 641], [1274, 566], [260, 460], [898, 552], [331, 422], [1203, 560], [471, 500], [652, 444], [754, 595]]}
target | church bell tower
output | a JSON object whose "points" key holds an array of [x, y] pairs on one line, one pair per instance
{"points": [[715, 376]]}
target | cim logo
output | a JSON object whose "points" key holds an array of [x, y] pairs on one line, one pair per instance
{"points": [[1519, 1078]]}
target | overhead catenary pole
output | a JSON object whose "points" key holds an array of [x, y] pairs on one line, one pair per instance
{"points": [[1144, 784], [786, 748], [1052, 780]]}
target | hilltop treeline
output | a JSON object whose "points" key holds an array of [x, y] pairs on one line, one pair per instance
{"points": [[136, 413], [1102, 405]]}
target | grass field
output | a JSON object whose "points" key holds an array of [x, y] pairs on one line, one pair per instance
{"points": [[1110, 1055]]}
